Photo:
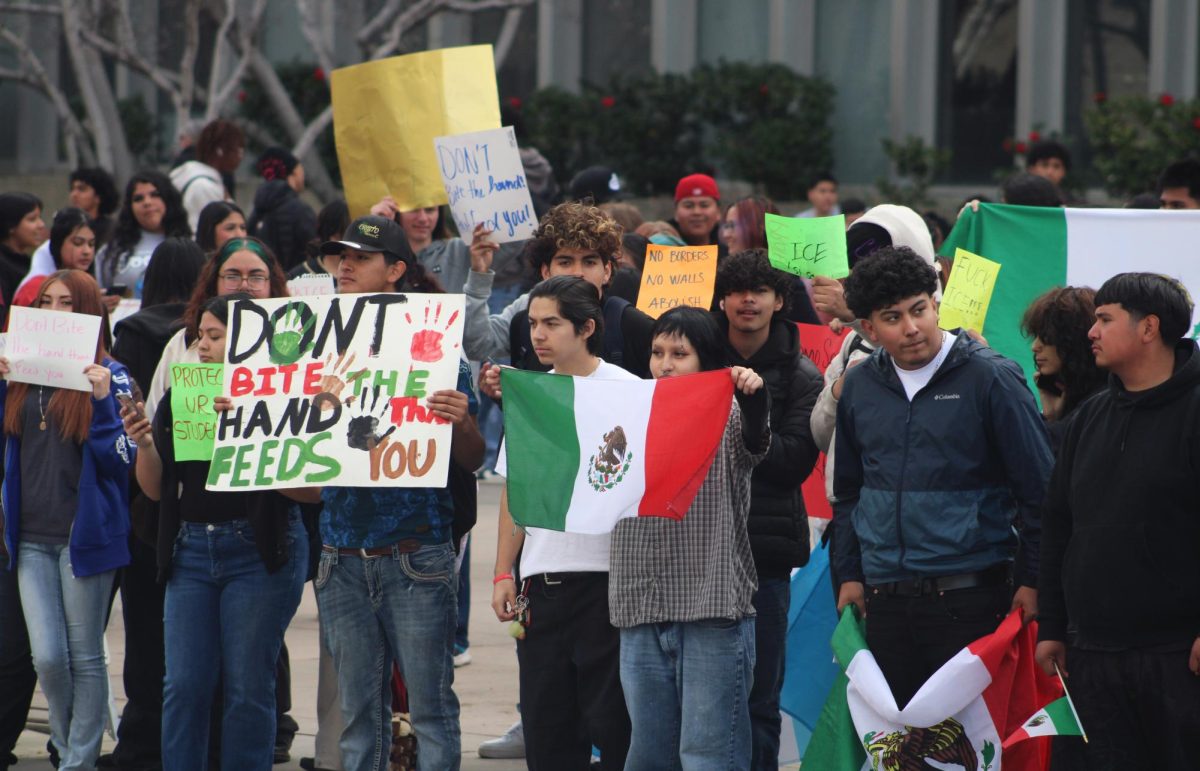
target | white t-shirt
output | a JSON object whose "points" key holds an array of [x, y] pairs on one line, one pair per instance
{"points": [[914, 380], [549, 551]]}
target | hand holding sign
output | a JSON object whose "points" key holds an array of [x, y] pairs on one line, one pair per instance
{"points": [[808, 246], [485, 183], [968, 292]]}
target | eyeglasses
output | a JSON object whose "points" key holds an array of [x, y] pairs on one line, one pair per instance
{"points": [[234, 280]]}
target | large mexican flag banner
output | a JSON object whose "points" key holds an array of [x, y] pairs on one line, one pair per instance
{"points": [[1040, 248], [960, 717]]}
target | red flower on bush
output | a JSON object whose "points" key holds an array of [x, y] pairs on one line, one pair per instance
{"points": [[1099, 97], [319, 74], [1007, 145], [763, 89], [514, 102], [1196, 123], [1021, 148], [241, 97], [607, 102], [1035, 136], [1166, 100]]}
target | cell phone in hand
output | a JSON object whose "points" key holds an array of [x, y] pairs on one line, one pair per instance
{"points": [[127, 401]]}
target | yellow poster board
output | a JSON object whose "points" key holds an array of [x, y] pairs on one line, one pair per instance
{"points": [[386, 114], [677, 275], [968, 292]]}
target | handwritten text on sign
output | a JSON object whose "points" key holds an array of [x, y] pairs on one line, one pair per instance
{"points": [[51, 348], [485, 182], [808, 246], [968, 292], [332, 390], [194, 387], [677, 275]]}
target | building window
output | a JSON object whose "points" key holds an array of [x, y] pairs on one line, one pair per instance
{"points": [[978, 86], [736, 32], [616, 39]]}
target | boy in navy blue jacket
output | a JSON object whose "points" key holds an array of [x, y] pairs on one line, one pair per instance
{"points": [[941, 459]]}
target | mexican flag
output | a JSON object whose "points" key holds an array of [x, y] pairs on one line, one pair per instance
{"points": [[958, 718], [582, 453], [1057, 718], [1040, 248]]}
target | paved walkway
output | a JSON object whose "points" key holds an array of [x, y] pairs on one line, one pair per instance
{"points": [[487, 687]]}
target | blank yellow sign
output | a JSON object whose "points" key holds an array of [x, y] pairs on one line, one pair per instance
{"points": [[677, 275], [386, 114], [968, 292]]}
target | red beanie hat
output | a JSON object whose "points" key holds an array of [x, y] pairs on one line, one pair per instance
{"points": [[697, 185]]}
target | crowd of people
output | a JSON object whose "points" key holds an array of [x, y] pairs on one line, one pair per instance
{"points": [[958, 494]]}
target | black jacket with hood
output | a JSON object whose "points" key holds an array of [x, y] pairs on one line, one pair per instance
{"points": [[1120, 563], [778, 522], [282, 221]]}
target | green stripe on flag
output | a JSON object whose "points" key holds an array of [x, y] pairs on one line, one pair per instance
{"points": [[1063, 717], [1030, 243], [542, 446], [848, 638], [836, 745]]}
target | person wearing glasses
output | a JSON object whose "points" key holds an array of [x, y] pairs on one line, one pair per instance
{"points": [[241, 265]]}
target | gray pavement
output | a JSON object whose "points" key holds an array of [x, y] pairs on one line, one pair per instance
{"points": [[486, 688]]}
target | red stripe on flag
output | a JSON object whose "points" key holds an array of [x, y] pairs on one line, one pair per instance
{"points": [[1019, 688], [687, 420]]}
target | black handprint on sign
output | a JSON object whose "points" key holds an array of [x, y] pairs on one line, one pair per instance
{"points": [[373, 407]]}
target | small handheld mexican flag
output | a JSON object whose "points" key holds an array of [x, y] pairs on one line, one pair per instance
{"points": [[1057, 718], [582, 453]]}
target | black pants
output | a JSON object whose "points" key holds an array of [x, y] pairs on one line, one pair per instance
{"points": [[17, 676], [912, 637], [1141, 710], [139, 734], [570, 676]]}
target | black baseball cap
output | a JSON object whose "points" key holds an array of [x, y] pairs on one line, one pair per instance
{"points": [[373, 234]]}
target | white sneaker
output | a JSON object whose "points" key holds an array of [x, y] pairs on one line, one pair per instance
{"points": [[462, 659], [509, 746]]}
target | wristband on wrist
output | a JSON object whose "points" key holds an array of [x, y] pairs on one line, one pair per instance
{"points": [[503, 577]]}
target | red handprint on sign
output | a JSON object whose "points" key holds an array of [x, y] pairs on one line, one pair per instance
{"points": [[427, 343]]}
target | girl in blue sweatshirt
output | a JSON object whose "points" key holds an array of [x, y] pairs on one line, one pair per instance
{"points": [[66, 523]]}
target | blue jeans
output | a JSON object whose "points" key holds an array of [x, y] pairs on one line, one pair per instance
{"points": [[376, 610], [770, 642], [224, 619], [686, 686], [65, 617]]}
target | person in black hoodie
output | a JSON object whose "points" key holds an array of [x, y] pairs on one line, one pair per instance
{"points": [[1120, 549], [280, 219], [753, 299]]}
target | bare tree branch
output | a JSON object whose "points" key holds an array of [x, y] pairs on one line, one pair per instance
{"points": [[34, 74], [310, 25], [164, 79], [312, 131], [186, 94], [422, 10], [247, 32], [508, 33], [379, 23]]}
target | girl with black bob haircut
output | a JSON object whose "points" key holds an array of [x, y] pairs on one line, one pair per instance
{"points": [[578, 302], [226, 626], [700, 329]]}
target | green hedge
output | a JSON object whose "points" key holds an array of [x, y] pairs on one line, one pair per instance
{"points": [[1135, 137]]}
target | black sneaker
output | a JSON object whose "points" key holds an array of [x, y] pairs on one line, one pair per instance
{"points": [[310, 764]]}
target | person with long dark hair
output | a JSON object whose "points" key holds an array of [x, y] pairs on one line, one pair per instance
{"points": [[1066, 372], [66, 492], [151, 212], [22, 230], [219, 221], [72, 245], [225, 625]]}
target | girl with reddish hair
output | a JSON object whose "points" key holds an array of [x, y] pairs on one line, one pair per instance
{"points": [[744, 227], [66, 450]]}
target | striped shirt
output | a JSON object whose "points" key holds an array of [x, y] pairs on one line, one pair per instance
{"points": [[699, 567]]}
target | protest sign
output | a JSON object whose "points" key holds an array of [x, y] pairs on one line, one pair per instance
{"points": [[677, 275], [386, 114], [821, 345], [51, 348], [968, 292], [194, 387], [485, 182], [332, 390], [312, 285], [808, 246]]}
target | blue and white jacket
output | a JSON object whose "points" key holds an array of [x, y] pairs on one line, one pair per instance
{"points": [[100, 535], [939, 485]]}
